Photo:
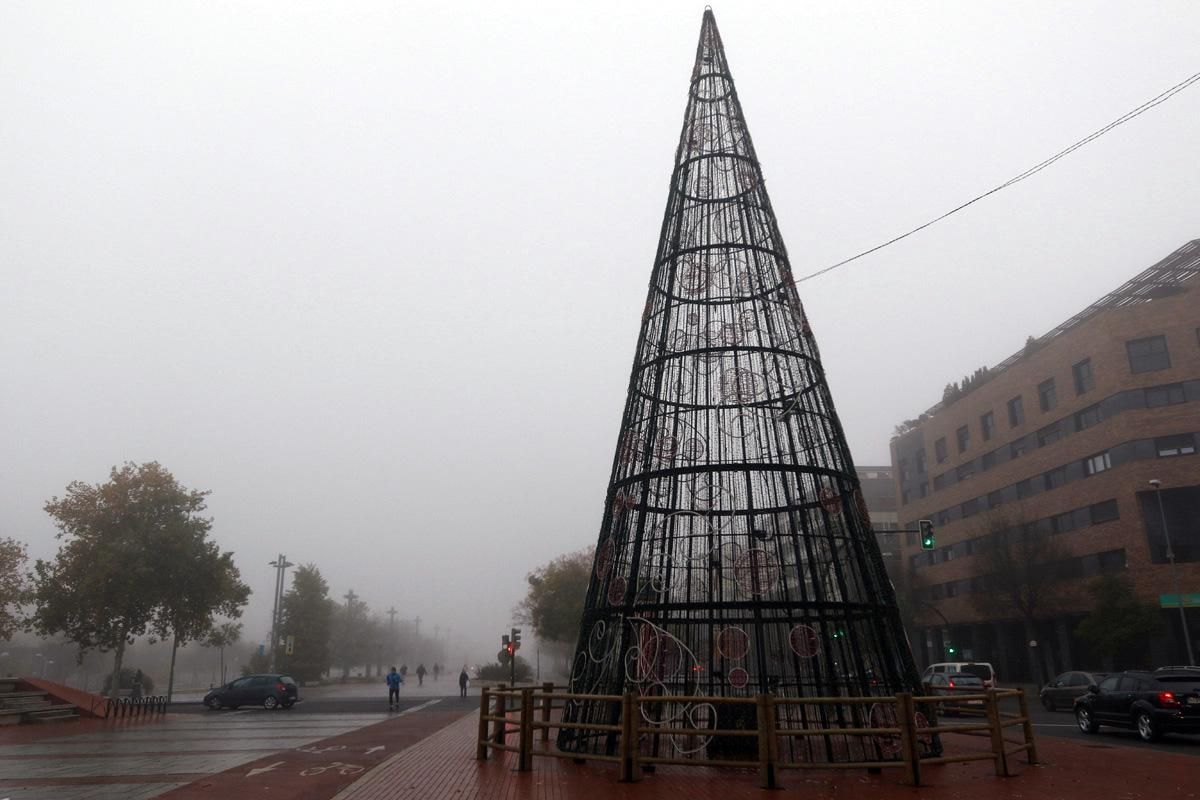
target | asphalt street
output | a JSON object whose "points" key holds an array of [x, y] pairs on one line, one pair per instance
{"points": [[1062, 724]]}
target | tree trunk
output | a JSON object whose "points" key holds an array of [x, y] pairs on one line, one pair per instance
{"points": [[114, 688], [171, 674]]}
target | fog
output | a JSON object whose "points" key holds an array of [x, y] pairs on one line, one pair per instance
{"points": [[372, 273]]}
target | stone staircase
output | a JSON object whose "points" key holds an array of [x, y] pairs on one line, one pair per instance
{"points": [[21, 702]]}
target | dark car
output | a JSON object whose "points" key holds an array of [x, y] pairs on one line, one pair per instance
{"points": [[952, 684], [268, 691], [1062, 691], [1152, 703]]}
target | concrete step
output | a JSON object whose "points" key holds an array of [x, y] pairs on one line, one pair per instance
{"points": [[62, 715]]}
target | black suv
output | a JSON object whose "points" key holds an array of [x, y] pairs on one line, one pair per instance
{"points": [[268, 691], [1152, 703]]}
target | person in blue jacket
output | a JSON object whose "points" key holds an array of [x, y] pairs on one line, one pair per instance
{"points": [[393, 681]]}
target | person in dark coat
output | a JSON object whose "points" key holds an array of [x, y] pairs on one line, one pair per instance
{"points": [[421, 674], [393, 683], [463, 677]]}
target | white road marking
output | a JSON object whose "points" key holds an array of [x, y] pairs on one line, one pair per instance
{"points": [[373, 749], [267, 768], [418, 708]]}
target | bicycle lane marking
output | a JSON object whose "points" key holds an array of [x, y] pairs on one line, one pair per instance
{"points": [[322, 768]]}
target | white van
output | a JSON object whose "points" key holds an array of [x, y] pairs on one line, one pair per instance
{"points": [[980, 668]]}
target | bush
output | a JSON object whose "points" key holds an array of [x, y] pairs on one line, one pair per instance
{"points": [[502, 672], [127, 676]]}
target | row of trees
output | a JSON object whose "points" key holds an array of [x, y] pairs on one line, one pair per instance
{"points": [[134, 559]]}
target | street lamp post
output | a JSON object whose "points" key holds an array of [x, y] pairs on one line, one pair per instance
{"points": [[280, 564], [1187, 638]]}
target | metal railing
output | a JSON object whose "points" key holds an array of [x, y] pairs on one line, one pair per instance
{"points": [[524, 710]]}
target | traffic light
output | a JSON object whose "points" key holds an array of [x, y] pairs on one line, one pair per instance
{"points": [[926, 534], [516, 639], [505, 644], [950, 649], [839, 633]]}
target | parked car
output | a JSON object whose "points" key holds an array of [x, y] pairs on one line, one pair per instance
{"points": [[1152, 703], [1062, 691], [951, 684], [268, 691], [982, 669]]}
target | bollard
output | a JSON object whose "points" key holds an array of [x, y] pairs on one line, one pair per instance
{"points": [[547, 704], [1027, 727], [993, 716], [481, 747], [765, 707]]}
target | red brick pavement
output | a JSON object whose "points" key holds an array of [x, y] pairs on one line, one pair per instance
{"points": [[443, 766]]}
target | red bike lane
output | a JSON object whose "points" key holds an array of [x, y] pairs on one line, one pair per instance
{"points": [[319, 770]]}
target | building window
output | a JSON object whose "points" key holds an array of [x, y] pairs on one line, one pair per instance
{"points": [[903, 470], [971, 507], [1087, 418], [1103, 512], [963, 436], [1183, 444], [987, 460], [987, 425], [1096, 464], [1148, 355], [1047, 396], [904, 497], [1062, 522], [939, 482], [939, 449], [920, 459], [1084, 379], [1049, 434], [1167, 395], [1055, 478], [923, 489], [1016, 449], [993, 499], [1016, 412], [965, 471], [1025, 488]]}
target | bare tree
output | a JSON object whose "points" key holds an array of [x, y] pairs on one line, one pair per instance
{"points": [[1021, 568]]}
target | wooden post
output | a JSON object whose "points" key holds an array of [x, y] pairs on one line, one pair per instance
{"points": [[627, 746], [910, 748], [765, 708], [481, 740], [547, 704], [525, 733], [501, 723], [1023, 703], [993, 715]]}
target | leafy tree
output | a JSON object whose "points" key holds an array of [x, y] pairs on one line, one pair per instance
{"points": [[1119, 622], [1021, 568], [203, 583], [502, 671], [128, 674], [307, 615], [14, 587], [221, 636], [553, 605], [351, 635], [114, 571]]}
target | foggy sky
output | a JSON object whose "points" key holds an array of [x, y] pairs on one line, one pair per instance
{"points": [[373, 272]]}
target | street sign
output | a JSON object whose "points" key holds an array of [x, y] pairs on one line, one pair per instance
{"points": [[1190, 600], [291, 645]]}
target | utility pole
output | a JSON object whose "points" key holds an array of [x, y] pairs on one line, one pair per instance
{"points": [[350, 597], [417, 622], [280, 564]]}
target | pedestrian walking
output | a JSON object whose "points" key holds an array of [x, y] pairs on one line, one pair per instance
{"points": [[135, 691], [463, 677], [421, 674], [404, 670], [394, 680], [437, 670]]}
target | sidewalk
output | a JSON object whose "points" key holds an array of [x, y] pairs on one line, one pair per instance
{"points": [[443, 766]]}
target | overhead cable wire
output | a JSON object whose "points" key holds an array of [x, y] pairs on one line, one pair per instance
{"points": [[1121, 120]]}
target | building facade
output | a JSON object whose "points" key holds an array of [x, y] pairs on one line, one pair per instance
{"points": [[879, 491], [1056, 447]]}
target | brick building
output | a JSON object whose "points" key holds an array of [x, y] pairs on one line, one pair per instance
{"points": [[1061, 440]]}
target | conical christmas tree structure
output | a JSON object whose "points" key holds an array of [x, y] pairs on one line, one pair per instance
{"points": [[736, 554]]}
